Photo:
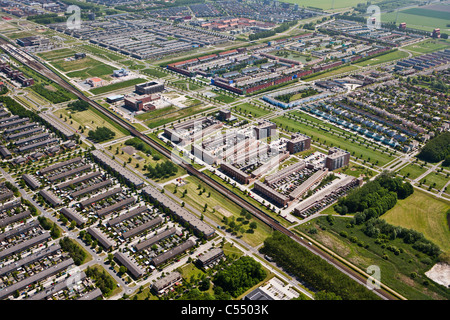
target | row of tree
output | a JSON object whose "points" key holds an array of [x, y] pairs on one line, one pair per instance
{"points": [[317, 272]]}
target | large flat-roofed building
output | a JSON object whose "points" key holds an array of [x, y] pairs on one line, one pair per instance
{"points": [[50, 198], [166, 282], [131, 265], [298, 143], [270, 193], [101, 238], [124, 173], [337, 158], [265, 129], [172, 253], [305, 186], [149, 87], [180, 212], [210, 257], [32, 41], [139, 103], [235, 173]]}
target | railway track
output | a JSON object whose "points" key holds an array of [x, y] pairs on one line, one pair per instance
{"points": [[262, 216]]}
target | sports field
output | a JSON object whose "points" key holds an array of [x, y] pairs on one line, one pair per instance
{"points": [[424, 213]]}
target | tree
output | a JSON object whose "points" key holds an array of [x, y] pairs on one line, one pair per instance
{"points": [[123, 269]]}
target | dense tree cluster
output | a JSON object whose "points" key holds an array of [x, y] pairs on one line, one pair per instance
{"points": [[101, 134], [375, 197], [53, 96], [241, 275], [79, 105], [288, 97], [162, 170], [314, 270], [74, 250], [436, 149], [376, 227], [102, 280], [142, 146]]}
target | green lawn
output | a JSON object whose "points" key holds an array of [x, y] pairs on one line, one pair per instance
{"points": [[100, 71], [337, 140], [76, 65], [117, 86], [155, 73], [395, 271], [437, 178], [416, 21], [429, 45], [56, 54], [333, 73], [164, 118], [218, 206], [251, 110], [90, 120], [383, 58], [412, 171], [104, 53], [424, 213]]}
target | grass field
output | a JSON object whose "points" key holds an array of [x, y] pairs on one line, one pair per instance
{"points": [[434, 177], [383, 58], [90, 120], [117, 86], [155, 73], [218, 206], [395, 271], [428, 46], [419, 18], [101, 52], [333, 73], [412, 171], [146, 160], [100, 70], [56, 54], [334, 140], [326, 4], [80, 64], [168, 117], [424, 213], [250, 110]]}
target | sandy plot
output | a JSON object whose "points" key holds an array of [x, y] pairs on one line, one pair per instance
{"points": [[222, 211], [440, 273]]}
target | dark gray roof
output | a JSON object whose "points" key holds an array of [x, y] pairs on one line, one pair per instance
{"points": [[29, 259], [127, 215], [101, 237], [14, 218], [100, 196], [132, 266], [73, 215], [257, 294], [179, 211], [69, 173], [59, 165], [120, 170], [50, 197], [35, 278], [173, 252], [31, 181], [79, 179], [91, 188], [24, 245], [92, 295], [142, 227], [41, 295], [116, 206], [155, 239], [22, 228]]}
